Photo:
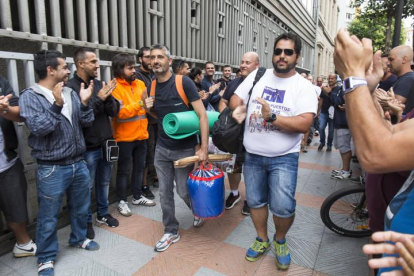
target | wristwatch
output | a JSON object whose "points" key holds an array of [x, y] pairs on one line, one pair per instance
{"points": [[272, 118], [351, 83]]}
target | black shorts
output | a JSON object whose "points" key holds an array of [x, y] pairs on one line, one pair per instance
{"points": [[13, 194]]}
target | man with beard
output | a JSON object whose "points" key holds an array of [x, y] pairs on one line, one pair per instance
{"points": [[388, 79], [165, 99], [104, 106], [213, 87], [399, 62], [270, 168], [145, 74], [130, 131], [55, 115], [225, 79], [249, 63]]}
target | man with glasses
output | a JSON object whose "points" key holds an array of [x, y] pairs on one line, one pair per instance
{"points": [[284, 110], [145, 74]]}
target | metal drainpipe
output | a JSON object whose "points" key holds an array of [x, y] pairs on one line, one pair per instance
{"points": [[316, 38]]}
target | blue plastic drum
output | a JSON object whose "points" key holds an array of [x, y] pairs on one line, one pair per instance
{"points": [[207, 192]]}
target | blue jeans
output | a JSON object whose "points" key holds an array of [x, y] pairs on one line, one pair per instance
{"points": [[136, 152], [100, 173], [323, 121], [53, 181], [272, 181]]}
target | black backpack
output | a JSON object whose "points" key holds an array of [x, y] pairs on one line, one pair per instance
{"points": [[227, 133]]}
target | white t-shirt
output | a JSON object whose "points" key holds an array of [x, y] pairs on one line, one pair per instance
{"points": [[287, 97], [318, 90]]}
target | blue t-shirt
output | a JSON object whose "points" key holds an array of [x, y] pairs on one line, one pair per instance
{"points": [[400, 213]]}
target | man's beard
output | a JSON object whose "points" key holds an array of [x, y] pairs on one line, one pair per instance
{"points": [[288, 68], [130, 78], [145, 66]]}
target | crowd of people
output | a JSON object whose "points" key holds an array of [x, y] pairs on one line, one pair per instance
{"points": [[80, 126]]}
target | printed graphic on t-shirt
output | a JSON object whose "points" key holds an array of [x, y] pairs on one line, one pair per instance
{"points": [[273, 95], [275, 98], [258, 124]]}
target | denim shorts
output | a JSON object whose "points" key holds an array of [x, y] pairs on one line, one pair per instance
{"points": [[271, 181]]}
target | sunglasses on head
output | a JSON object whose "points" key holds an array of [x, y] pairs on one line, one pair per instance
{"points": [[278, 52]]}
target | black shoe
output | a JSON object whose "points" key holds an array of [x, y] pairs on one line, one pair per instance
{"points": [[321, 147], [147, 192], [108, 220], [232, 200], [246, 209], [90, 233], [329, 148]]}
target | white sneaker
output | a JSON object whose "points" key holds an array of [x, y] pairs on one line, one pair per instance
{"points": [[143, 201], [198, 222], [338, 172], [342, 175], [124, 209], [25, 251], [166, 241]]}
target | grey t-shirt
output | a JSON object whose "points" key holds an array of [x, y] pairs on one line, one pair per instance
{"points": [[4, 164]]}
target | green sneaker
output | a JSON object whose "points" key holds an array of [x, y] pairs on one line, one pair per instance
{"points": [[257, 249], [282, 255]]}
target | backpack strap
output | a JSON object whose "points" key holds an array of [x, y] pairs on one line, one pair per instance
{"points": [[180, 89], [152, 91]]}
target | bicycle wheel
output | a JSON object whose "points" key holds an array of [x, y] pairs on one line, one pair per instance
{"points": [[344, 212]]}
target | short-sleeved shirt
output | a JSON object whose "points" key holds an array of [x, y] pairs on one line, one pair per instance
{"points": [[231, 88], [167, 100], [388, 83], [404, 86], [287, 97]]}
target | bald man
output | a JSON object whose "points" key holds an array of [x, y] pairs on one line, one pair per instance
{"points": [[249, 63], [388, 80], [399, 62]]}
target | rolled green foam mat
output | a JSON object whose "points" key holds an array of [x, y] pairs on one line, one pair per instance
{"points": [[184, 124]]}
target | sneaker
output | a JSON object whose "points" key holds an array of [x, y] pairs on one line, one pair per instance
{"points": [[358, 180], [257, 249], [246, 209], [124, 209], [108, 220], [87, 245], [329, 148], [166, 241], [232, 200], [147, 192], [321, 146], [316, 133], [282, 255], [46, 269], [90, 233], [198, 222], [338, 172], [342, 175], [304, 149], [143, 201], [25, 251]]}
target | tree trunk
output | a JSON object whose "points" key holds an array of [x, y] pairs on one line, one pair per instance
{"points": [[388, 33]]}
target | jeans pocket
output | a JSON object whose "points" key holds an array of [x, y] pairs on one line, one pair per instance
{"points": [[44, 171]]}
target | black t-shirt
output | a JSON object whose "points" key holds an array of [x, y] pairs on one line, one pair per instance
{"points": [[387, 84], [404, 87], [326, 103], [167, 100], [231, 88]]}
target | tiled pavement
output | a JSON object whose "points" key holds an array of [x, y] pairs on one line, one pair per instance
{"points": [[219, 246]]}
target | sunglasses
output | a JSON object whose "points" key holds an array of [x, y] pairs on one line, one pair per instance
{"points": [[279, 51]]}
